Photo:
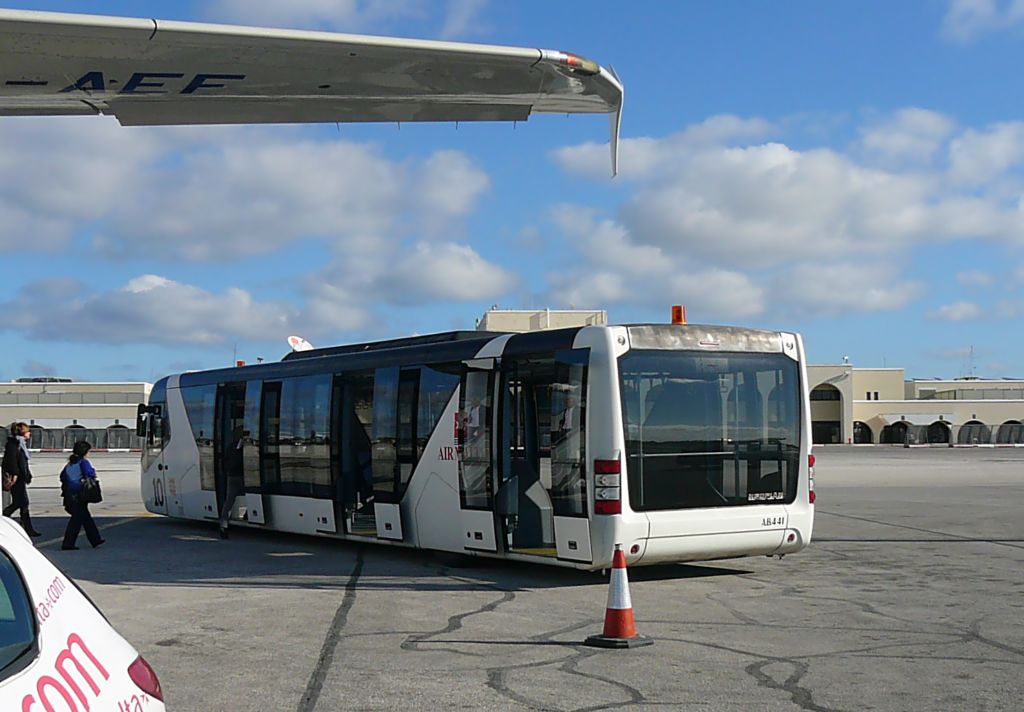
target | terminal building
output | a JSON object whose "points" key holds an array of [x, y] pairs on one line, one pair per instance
{"points": [[880, 406], [61, 412]]}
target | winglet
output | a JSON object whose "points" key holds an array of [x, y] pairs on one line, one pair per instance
{"points": [[615, 124]]}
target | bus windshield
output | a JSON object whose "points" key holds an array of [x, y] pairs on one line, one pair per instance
{"points": [[710, 430]]}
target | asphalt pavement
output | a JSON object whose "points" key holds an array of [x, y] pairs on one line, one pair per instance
{"points": [[911, 597]]}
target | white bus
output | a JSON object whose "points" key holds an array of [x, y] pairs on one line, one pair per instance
{"points": [[681, 442]]}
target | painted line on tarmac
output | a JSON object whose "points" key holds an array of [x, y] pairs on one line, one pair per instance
{"points": [[105, 527]]}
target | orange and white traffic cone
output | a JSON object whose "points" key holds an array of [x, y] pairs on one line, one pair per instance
{"points": [[619, 627]]}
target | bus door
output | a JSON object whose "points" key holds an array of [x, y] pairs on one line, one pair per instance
{"points": [[353, 453], [476, 455], [229, 421], [542, 496], [150, 427]]}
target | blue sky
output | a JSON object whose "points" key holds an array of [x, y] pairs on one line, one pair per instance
{"points": [[851, 171]]}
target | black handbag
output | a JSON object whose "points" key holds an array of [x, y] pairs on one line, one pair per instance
{"points": [[89, 492]]}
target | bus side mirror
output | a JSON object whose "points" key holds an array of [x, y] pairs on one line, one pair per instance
{"points": [[507, 502], [140, 420]]}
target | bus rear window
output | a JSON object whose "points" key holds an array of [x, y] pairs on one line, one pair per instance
{"points": [[710, 430]]}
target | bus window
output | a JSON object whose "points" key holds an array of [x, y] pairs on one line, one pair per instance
{"points": [[200, 404], [407, 453], [270, 434], [436, 389], [251, 437], [304, 433], [710, 431], [568, 402], [385, 429], [356, 446], [476, 487]]}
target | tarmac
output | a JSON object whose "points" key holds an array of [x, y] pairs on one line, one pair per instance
{"points": [[910, 597]]}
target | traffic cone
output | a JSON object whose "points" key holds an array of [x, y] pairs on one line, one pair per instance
{"points": [[619, 628]]}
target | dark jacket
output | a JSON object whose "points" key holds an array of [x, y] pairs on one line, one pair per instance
{"points": [[15, 461]]}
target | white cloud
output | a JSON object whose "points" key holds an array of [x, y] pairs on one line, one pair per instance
{"points": [[447, 185], [457, 18], [448, 272], [976, 278], [979, 156], [253, 195], [343, 15], [463, 17], [831, 289], [219, 194], [52, 178], [769, 204], [148, 309], [910, 134], [803, 231], [344, 297], [616, 270], [957, 311], [225, 195], [641, 158], [966, 20]]}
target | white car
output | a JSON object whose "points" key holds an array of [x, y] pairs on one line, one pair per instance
{"points": [[57, 651]]}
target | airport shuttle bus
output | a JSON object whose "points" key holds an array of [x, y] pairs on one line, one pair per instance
{"points": [[681, 442]]}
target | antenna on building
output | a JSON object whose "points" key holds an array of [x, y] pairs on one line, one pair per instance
{"points": [[846, 360]]}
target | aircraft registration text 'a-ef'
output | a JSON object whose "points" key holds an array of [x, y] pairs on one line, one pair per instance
{"points": [[156, 72]]}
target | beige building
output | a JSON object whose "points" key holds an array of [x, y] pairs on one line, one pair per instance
{"points": [[522, 320], [62, 412], [878, 405]]}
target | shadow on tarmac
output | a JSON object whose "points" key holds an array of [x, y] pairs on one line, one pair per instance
{"points": [[158, 551]]}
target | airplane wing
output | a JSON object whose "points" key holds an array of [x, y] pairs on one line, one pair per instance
{"points": [[157, 72]]}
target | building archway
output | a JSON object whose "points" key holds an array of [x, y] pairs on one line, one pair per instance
{"points": [[862, 433], [895, 434], [1010, 433], [119, 437], [74, 434], [826, 414], [974, 432], [938, 433]]}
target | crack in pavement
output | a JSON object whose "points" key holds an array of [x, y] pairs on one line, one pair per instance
{"points": [[412, 642], [497, 677], [801, 696], [974, 633], [316, 680], [571, 666]]}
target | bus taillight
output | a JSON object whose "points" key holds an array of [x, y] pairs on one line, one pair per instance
{"points": [[810, 478], [607, 487]]}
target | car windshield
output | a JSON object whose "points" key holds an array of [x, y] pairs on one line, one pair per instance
{"points": [[17, 623]]}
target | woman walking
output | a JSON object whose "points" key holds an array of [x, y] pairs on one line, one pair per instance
{"points": [[77, 469], [16, 465]]}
